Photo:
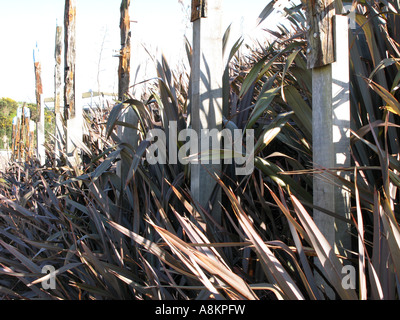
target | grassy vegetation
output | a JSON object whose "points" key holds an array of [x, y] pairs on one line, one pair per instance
{"points": [[8, 110], [137, 237]]}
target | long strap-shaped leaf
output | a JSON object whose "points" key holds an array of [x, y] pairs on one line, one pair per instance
{"points": [[325, 252], [236, 283], [152, 248], [275, 268]]}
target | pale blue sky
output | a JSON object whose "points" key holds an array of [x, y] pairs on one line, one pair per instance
{"points": [[160, 27]]}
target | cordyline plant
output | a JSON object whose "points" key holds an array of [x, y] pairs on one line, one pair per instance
{"points": [[138, 238]]}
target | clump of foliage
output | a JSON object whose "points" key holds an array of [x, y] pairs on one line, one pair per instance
{"points": [[8, 110]]}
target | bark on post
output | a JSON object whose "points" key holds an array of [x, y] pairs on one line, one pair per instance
{"points": [[26, 116], [206, 96], [129, 116], [70, 55], [18, 141], [59, 128], [17, 138], [125, 53], [320, 33], [31, 137], [328, 57], [72, 111], [40, 107], [14, 139]]}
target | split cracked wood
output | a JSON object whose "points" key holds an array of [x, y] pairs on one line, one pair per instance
{"points": [[73, 116], [199, 10], [70, 56], [320, 51], [125, 53]]}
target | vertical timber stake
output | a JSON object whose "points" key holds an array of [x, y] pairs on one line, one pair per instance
{"points": [[70, 54], [40, 107], [128, 115], [328, 56], [125, 53], [206, 97], [26, 119], [14, 138], [72, 111], [59, 128]]}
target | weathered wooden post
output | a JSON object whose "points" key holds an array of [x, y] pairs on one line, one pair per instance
{"points": [[59, 128], [206, 96], [31, 137], [26, 117], [128, 115], [40, 107], [328, 56], [19, 137], [125, 53], [14, 138], [72, 111]]}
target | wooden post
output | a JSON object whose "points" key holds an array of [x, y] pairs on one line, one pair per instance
{"points": [[26, 117], [18, 140], [40, 107], [31, 137], [14, 138], [59, 128], [125, 53], [72, 111], [206, 96], [125, 134], [341, 129], [328, 57], [70, 55], [320, 33]]}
